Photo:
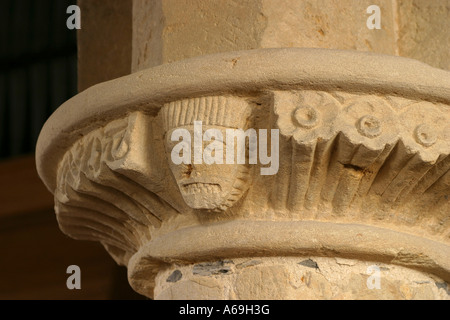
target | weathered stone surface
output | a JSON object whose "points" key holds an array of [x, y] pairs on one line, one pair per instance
{"points": [[359, 163], [309, 263], [327, 24], [212, 268], [204, 289], [262, 283], [195, 28], [104, 41], [286, 278], [421, 34], [361, 186]]}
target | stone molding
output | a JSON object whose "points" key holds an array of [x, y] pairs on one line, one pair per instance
{"points": [[364, 162]]}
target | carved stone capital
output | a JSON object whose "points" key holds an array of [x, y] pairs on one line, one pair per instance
{"points": [[363, 174]]}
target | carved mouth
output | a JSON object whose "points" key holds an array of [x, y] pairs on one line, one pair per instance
{"points": [[198, 187]]}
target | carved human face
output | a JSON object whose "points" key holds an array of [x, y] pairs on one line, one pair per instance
{"points": [[213, 186]]}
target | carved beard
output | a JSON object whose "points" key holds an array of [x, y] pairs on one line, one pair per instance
{"points": [[216, 192], [240, 186]]}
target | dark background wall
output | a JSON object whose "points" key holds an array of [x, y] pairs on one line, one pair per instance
{"points": [[38, 69], [38, 72]]}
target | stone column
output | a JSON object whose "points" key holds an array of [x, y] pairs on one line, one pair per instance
{"points": [[169, 30], [356, 204]]}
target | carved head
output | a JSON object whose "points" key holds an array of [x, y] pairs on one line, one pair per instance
{"points": [[204, 178]]}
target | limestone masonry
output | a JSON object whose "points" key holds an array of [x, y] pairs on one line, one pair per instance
{"points": [[358, 207]]}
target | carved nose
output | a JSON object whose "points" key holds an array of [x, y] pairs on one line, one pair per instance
{"points": [[191, 171], [187, 171], [195, 170]]}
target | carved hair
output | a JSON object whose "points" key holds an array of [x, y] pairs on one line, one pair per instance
{"points": [[229, 112]]}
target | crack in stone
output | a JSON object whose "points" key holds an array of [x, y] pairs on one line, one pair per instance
{"points": [[211, 268], [309, 263]]}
